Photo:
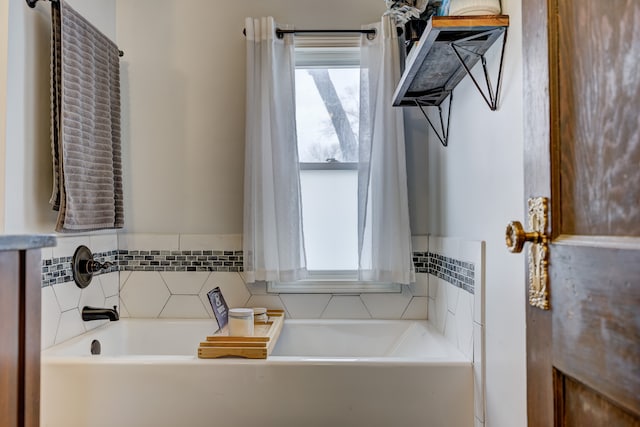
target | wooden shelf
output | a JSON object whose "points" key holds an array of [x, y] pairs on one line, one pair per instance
{"points": [[449, 47], [258, 346]]}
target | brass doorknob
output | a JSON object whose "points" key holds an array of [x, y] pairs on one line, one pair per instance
{"points": [[516, 237]]}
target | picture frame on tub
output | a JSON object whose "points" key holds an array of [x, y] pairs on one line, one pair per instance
{"points": [[219, 306]]}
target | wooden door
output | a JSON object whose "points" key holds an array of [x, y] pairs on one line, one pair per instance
{"points": [[582, 151]]}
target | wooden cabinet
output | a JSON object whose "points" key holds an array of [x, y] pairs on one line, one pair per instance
{"points": [[20, 291]]}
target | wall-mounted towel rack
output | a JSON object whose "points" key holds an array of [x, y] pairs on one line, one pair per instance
{"points": [[32, 4]]}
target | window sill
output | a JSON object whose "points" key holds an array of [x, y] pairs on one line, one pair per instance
{"points": [[332, 287]]}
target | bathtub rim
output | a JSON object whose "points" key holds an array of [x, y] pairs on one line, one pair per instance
{"points": [[454, 357]]}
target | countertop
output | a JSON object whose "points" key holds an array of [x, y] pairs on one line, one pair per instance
{"points": [[18, 242]]}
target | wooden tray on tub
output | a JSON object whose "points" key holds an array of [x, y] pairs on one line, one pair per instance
{"points": [[258, 346]]}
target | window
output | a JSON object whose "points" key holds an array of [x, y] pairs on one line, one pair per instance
{"points": [[327, 114]]}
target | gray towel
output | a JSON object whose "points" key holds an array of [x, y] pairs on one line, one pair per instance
{"points": [[85, 125]]}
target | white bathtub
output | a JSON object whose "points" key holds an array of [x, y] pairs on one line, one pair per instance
{"points": [[321, 373]]}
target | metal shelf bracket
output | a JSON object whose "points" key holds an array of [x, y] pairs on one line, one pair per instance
{"points": [[491, 97], [443, 133]]}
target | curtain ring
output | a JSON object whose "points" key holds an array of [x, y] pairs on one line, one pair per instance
{"points": [[372, 36]]}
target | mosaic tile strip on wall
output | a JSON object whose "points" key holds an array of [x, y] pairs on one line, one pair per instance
{"points": [[155, 260], [458, 273], [58, 270]]}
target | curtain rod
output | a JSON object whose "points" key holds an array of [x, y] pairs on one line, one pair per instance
{"points": [[371, 33], [280, 33], [32, 4]]}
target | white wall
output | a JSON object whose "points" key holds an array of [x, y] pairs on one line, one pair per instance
{"points": [[475, 189], [183, 104], [27, 165]]}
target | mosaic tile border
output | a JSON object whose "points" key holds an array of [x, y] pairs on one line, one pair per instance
{"points": [[421, 262], [458, 273], [156, 260], [58, 270]]}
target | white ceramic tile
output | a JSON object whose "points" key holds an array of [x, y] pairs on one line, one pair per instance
{"points": [[387, 306], [256, 288], [110, 283], [431, 313], [111, 301], [305, 306], [435, 244], [476, 253], [92, 295], [450, 247], [268, 301], [421, 286], [420, 243], [345, 307], [478, 299], [145, 294], [46, 253], [479, 371], [233, 290], [440, 312], [66, 246], [50, 317], [71, 325], [124, 276], [184, 307], [434, 285], [122, 309], [185, 282], [103, 242], [471, 251], [450, 330], [68, 295], [148, 242], [464, 324], [216, 242], [453, 293], [417, 309]]}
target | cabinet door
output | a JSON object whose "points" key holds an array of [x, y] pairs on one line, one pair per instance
{"points": [[9, 338], [32, 265]]}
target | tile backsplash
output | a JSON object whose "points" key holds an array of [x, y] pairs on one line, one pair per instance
{"points": [[62, 300], [160, 276], [456, 303], [168, 276]]}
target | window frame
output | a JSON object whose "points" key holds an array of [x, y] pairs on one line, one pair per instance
{"points": [[330, 52]]}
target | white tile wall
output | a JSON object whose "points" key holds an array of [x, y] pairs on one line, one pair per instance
{"points": [[144, 294], [184, 306], [345, 307], [456, 313], [136, 287], [62, 303], [183, 294], [459, 314]]}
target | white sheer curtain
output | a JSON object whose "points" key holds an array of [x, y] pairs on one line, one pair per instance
{"points": [[273, 241], [384, 235]]}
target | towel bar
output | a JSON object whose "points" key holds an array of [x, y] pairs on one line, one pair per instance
{"points": [[32, 4]]}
